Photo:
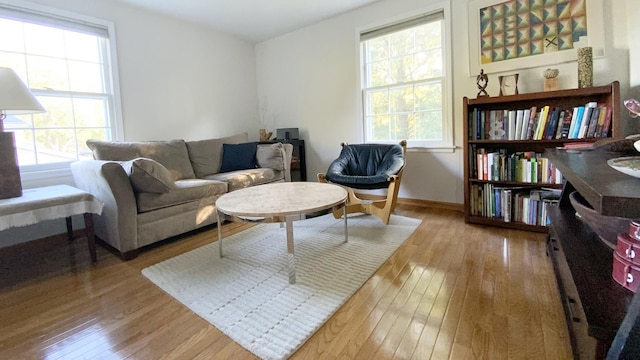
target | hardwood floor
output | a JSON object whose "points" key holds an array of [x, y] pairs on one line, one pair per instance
{"points": [[452, 291]]}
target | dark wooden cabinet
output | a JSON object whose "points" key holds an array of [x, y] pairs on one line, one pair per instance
{"points": [[298, 160], [608, 95], [594, 303]]}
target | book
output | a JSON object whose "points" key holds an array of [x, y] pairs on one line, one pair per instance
{"points": [[531, 124], [525, 123], [606, 126], [506, 205], [575, 122], [603, 114], [560, 124], [542, 122], [593, 122], [566, 124], [511, 135], [480, 164], [586, 116], [550, 131], [519, 124]]}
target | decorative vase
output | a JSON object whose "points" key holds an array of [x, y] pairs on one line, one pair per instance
{"points": [[265, 135], [585, 67]]}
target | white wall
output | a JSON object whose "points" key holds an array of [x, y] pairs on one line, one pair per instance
{"points": [[633, 31], [308, 79], [178, 81]]}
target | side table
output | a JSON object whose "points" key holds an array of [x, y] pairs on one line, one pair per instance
{"points": [[49, 203]]}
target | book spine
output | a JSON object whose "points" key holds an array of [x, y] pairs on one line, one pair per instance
{"points": [[566, 124], [606, 126], [511, 125], [506, 209], [593, 122], [575, 123], [542, 123], [586, 116], [553, 124], [531, 125], [603, 114], [560, 125]]}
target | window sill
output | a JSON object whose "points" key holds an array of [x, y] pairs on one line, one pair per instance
{"points": [[434, 149], [38, 178]]}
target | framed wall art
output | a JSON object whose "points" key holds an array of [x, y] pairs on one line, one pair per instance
{"points": [[519, 34]]}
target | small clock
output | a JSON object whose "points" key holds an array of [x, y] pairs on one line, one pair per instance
{"points": [[508, 84]]}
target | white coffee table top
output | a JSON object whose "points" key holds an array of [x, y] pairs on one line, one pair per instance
{"points": [[281, 199]]}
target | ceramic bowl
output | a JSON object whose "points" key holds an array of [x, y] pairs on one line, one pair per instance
{"points": [[629, 165], [606, 227]]}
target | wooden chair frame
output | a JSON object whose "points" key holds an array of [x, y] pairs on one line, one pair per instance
{"points": [[377, 205]]}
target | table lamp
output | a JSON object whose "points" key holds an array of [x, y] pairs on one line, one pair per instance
{"points": [[15, 99]]}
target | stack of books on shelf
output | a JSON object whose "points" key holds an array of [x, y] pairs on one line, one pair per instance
{"points": [[524, 205], [592, 120], [519, 166]]}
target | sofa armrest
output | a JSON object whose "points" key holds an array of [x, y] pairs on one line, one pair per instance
{"points": [[287, 155], [276, 156], [108, 182]]}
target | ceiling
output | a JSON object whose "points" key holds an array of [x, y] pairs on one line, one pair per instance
{"points": [[252, 20]]}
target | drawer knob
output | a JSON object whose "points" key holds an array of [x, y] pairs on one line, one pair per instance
{"points": [[630, 253]]}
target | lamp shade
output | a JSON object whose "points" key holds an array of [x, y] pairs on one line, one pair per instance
{"points": [[15, 97]]}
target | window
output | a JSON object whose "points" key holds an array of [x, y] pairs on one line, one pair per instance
{"points": [[404, 83], [67, 65]]}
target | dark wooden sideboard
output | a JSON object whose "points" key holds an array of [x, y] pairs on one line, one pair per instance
{"points": [[594, 303]]}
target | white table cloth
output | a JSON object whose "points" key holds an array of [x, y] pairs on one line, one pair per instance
{"points": [[49, 203]]}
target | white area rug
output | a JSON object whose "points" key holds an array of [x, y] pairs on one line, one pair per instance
{"points": [[247, 294]]}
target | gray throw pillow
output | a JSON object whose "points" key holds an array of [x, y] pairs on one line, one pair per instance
{"points": [[206, 155], [147, 175], [270, 156]]}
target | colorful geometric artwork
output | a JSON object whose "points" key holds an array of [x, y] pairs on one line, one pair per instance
{"points": [[520, 28]]}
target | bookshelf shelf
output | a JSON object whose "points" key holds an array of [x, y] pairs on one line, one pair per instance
{"points": [[519, 176]]}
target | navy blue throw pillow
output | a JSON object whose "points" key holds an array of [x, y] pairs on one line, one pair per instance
{"points": [[238, 156]]}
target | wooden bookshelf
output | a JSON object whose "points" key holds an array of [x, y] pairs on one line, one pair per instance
{"points": [[608, 95]]}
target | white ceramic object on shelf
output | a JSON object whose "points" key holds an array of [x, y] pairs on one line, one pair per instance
{"points": [[629, 165]]}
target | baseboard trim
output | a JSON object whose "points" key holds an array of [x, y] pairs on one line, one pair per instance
{"points": [[431, 204]]}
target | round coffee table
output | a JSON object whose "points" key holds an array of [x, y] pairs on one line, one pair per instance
{"points": [[283, 203]]}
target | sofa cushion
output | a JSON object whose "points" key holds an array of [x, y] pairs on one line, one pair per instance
{"points": [[186, 191], [172, 154], [206, 155], [244, 178], [147, 175], [270, 156], [238, 156]]}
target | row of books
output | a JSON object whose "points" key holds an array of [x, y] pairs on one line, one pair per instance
{"points": [[592, 120], [521, 166], [525, 205]]}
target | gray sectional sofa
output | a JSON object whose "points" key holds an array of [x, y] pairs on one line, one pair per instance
{"points": [[158, 189]]}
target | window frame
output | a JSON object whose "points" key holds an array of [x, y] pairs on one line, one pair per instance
{"points": [[447, 142], [47, 174]]}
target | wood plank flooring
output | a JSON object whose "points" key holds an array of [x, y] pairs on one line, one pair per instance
{"points": [[451, 291]]}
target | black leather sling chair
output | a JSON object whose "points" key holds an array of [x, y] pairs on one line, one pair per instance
{"points": [[368, 167]]}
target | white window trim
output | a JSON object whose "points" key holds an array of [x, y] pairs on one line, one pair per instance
{"points": [[45, 175], [447, 143]]}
